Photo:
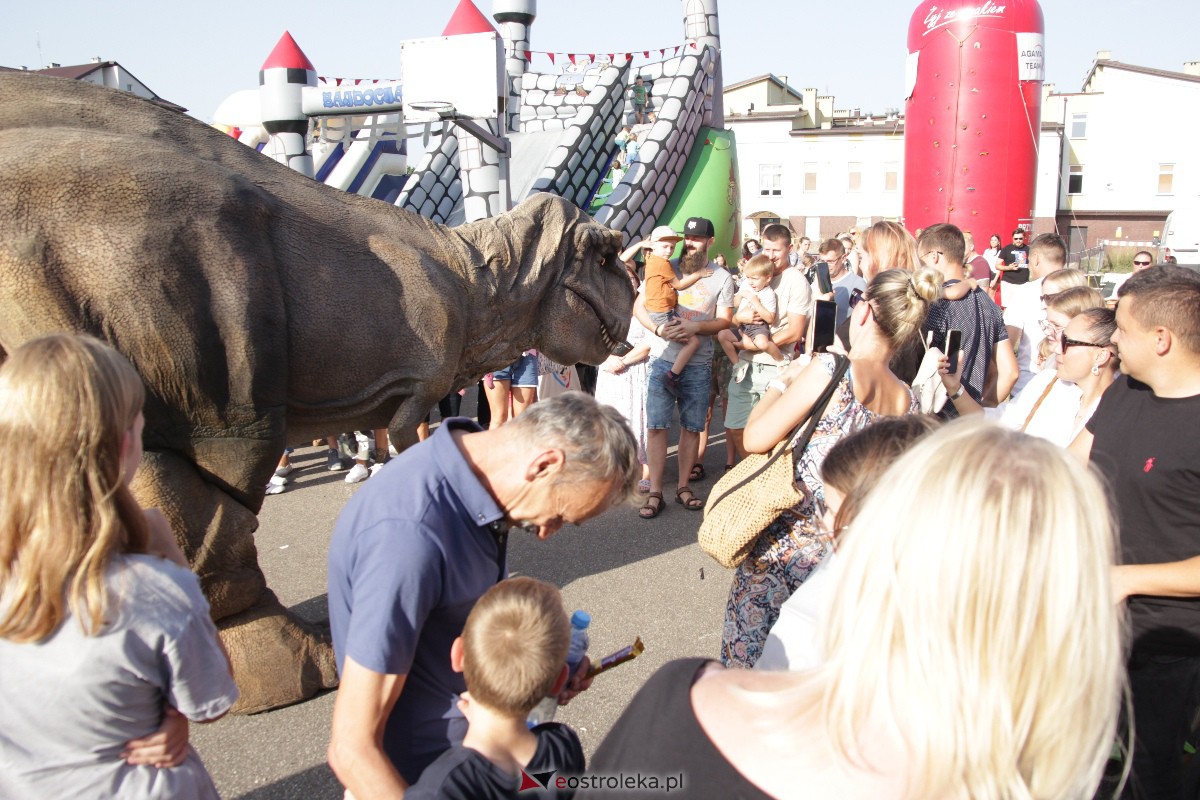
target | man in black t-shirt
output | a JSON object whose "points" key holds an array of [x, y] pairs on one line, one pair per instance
{"points": [[984, 338], [1142, 438], [1013, 261]]}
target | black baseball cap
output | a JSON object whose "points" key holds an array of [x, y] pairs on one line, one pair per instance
{"points": [[699, 226]]}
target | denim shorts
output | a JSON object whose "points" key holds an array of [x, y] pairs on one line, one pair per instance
{"points": [[694, 385], [521, 373]]}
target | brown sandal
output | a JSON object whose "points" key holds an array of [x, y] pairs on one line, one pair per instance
{"points": [[650, 511], [693, 503]]}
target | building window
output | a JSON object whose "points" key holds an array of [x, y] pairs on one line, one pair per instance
{"points": [[810, 176], [763, 222], [1075, 179], [1079, 126], [854, 178], [891, 176], [770, 179], [1166, 178]]}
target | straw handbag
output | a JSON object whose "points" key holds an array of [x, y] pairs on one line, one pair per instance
{"points": [[759, 488]]}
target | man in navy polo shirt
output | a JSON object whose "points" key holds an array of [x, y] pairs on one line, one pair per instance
{"points": [[421, 542]]}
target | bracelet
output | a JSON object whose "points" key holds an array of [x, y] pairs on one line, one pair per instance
{"points": [[962, 387], [777, 385], [657, 328]]}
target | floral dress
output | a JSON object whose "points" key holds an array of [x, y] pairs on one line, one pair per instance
{"points": [[789, 549]]}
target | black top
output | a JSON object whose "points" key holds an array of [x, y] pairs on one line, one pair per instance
{"points": [[1009, 256], [465, 774], [659, 738], [982, 326], [1147, 448]]}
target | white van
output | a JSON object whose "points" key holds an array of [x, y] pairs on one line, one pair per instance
{"points": [[1181, 236]]}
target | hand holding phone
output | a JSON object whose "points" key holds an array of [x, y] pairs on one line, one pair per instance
{"points": [[824, 325], [953, 344], [824, 284]]}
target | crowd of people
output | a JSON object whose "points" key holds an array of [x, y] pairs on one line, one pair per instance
{"points": [[993, 599]]}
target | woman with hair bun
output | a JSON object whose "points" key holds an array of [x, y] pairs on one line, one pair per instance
{"points": [[971, 621], [886, 318], [105, 638]]}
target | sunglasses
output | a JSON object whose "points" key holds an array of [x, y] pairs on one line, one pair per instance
{"points": [[856, 296], [1065, 343], [1143, 263]]}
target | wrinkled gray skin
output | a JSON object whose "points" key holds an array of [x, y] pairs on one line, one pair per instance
{"points": [[263, 309]]}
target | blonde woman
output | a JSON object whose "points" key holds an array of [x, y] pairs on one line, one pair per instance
{"points": [[886, 245], [101, 636], [958, 648], [890, 314]]}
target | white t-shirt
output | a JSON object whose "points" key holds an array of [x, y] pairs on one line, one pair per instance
{"points": [[701, 301], [1023, 309], [793, 295], [765, 295], [1055, 418], [70, 703], [792, 642]]}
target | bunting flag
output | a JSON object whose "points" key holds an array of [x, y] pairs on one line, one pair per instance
{"points": [[551, 57], [572, 57], [529, 55]]}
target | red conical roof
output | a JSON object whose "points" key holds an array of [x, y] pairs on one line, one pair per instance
{"points": [[288, 55], [467, 19]]}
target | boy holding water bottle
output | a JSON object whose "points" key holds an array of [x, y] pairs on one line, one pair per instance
{"points": [[512, 653]]}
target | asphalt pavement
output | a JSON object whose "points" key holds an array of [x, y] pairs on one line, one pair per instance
{"points": [[636, 578]]}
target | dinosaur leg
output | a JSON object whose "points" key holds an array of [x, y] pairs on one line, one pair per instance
{"points": [[277, 658]]}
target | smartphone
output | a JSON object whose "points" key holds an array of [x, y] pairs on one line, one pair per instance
{"points": [[824, 323], [824, 285], [953, 345]]}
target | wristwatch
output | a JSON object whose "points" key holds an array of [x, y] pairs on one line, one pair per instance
{"points": [[962, 387]]}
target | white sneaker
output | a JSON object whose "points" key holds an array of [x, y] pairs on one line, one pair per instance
{"points": [[276, 485], [358, 473], [375, 469]]}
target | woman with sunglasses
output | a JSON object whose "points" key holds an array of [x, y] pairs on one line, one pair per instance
{"points": [[891, 313], [1059, 401]]}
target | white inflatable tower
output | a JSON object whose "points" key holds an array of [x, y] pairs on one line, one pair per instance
{"points": [[284, 75], [515, 17], [700, 27]]}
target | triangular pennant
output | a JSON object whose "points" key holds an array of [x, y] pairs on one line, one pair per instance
{"points": [[592, 57], [662, 52], [612, 57], [629, 56], [572, 57], [676, 49], [529, 55], [551, 57], [339, 81], [646, 53], [694, 45]]}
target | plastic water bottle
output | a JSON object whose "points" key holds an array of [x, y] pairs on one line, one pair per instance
{"points": [[580, 621], [546, 709]]}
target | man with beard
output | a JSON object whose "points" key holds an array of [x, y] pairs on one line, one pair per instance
{"points": [[704, 308]]}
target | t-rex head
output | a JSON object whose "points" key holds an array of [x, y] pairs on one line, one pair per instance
{"points": [[556, 281]]}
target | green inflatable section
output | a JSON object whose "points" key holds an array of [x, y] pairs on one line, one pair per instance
{"points": [[708, 187]]}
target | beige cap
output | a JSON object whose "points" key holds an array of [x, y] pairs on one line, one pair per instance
{"points": [[664, 233]]}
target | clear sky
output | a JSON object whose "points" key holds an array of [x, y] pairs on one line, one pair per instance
{"points": [[196, 54]]}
